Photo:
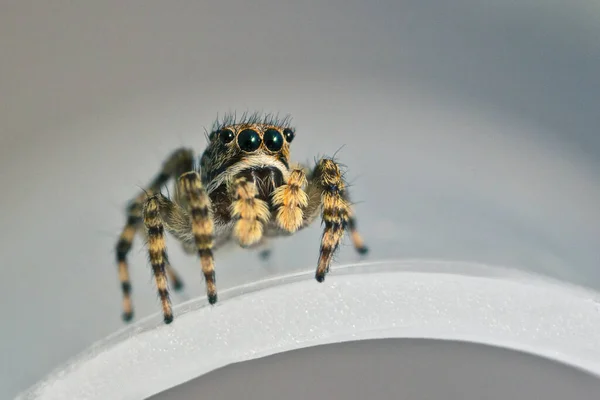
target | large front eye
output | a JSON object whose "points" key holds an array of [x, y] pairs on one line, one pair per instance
{"points": [[273, 139], [248, 140], [289, 134], [226, 136]]}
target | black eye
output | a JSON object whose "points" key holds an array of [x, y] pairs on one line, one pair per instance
{"points": [[248, 140], [273, 139], [226, 136], [289, 134]]}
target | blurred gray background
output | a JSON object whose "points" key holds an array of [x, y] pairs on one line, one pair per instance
{"points": [[392, 369], [470, 130]]}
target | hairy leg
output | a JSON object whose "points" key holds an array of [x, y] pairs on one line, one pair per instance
{"points": [[327, 190], [176, 282], [290, 200], [178, 162], [174, 278], [357, 240], [200, 211], [250, 212], [157, 253]]}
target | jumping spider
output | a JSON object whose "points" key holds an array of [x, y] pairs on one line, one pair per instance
{"points": [[243, 190]]}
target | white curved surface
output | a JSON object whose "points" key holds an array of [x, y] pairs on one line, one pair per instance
{"points": [[422, 299]]}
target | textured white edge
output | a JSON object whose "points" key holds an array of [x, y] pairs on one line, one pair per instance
{"points": [[388, 299]]}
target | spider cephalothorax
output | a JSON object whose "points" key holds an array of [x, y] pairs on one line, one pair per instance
{"points": [[244, 190]]}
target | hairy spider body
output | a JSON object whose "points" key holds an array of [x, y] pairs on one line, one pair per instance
{"points": [[243, 190]]}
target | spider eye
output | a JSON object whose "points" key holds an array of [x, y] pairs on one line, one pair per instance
{"points": [[289, 134], [273, 139], [226, 136], [248, 140]]}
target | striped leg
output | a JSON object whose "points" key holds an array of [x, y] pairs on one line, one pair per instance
{"points": [[200, 211], [335, 213], [290, 200], [176, 282], [357, 240], [250, 212], [157, 252], [178, 162], [163, 204], [122, 249]]}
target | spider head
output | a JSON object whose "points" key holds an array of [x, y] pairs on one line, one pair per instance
{"points": [[257, 147]]}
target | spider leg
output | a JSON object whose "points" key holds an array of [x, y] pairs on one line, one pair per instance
{"points": [[157, 252], [202, 226], [249, 211], [176, 281], [178, 162], [122, 249], [327, 188], [290, 200], [174, 277], [355, 236]]}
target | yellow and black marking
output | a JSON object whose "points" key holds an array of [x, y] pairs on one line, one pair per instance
{"points": [[157, 253], [123, 248], [335, 214], [250, 212], [179, 161], [200, 211], [357, 239], [244, 191], [290, 200]]}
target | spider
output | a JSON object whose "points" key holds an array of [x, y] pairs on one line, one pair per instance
{"points": [[244, 190]]}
